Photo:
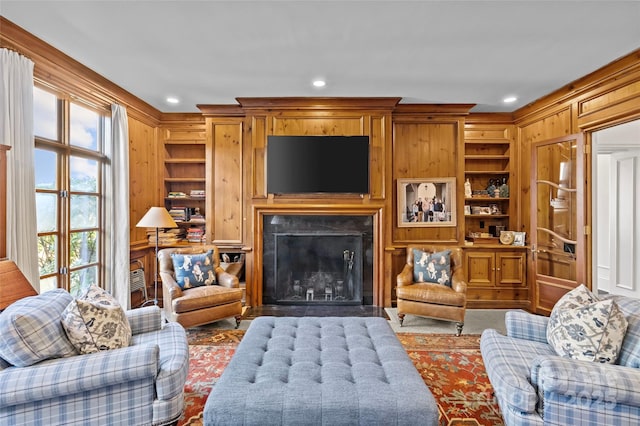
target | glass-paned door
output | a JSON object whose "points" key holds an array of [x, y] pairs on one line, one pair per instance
{"points": [[557, 218]]}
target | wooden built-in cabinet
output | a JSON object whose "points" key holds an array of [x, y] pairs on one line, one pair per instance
{"points": [[488, 152], [496, 277], [185, 165]]}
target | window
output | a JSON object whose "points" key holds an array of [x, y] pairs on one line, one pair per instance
{"points": [[69, 166]]}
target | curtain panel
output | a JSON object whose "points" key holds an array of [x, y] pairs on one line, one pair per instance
{"points": [[16, 130], [117, 209]]}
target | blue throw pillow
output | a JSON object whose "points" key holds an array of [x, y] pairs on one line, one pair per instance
{"points": [[194, 270], [432, 267]]}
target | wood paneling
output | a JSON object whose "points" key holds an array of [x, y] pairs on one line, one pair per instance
{"points": [[144, 176], [227, 192], [425, 150]]}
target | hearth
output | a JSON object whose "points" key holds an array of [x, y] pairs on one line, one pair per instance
{"points": [[317, 260]]}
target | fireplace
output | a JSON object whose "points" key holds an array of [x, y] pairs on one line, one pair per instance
{"points": [[317, 260]]}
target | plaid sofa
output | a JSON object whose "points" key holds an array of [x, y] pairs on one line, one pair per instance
{"points": [[141, 384], [534, 386]]}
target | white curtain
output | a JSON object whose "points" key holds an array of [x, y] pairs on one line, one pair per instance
{"points": [[16, 130], [117, 208]]}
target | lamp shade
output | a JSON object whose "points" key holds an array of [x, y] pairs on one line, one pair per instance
{"points": [[157, 217]]}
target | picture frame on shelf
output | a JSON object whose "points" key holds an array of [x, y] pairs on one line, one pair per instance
{"points": [[426, 202], [519, 238], [467, 209]]}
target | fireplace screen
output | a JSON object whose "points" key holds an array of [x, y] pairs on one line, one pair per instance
{"points": [[318, 268], [317, 260]]}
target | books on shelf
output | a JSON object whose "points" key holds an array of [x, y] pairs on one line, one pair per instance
{"points": [[176, 194], [197, 193], [195, 235], [166, 237], [179, 214]]}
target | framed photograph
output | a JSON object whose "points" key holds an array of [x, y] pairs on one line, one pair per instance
{"points": [[518, 238], [467, 209], [427, 202]]}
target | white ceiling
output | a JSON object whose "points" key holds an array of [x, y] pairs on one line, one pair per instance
{"points": [[210, 52]]}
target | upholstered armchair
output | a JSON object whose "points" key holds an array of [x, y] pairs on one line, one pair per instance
{"points": [[44, 381], [219, 296], [446, 301]]}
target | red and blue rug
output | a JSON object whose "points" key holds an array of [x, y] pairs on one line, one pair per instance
{"points": [[451, 366]]}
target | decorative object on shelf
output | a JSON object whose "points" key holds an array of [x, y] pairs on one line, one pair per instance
{"points": [[519, 238], [467, 189], [504, 189], [491, 188], [156, 217], [495, 209], [428, 202], [467, 209], [507, 237]]}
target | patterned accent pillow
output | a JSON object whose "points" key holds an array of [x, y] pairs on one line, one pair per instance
{"points": [[96, 322], [31, 329], [585, 328], [194, 270], [432, 267]]}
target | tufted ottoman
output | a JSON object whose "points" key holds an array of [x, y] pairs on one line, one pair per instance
{"points": [[320, 371]]}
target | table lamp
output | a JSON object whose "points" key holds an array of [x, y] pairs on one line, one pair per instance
{"points": [[156, 217]]}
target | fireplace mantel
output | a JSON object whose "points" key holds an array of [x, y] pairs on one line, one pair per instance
{"points": [[255, 287]]}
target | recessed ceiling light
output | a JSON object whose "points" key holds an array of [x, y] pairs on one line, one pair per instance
{"points": [[509, 99], [319, 83], [173, 100]]}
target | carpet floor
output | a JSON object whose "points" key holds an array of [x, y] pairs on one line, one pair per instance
{"points": [[451, 366]]}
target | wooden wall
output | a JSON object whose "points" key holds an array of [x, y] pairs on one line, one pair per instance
{"points": [[606, 97], [407, 141]]}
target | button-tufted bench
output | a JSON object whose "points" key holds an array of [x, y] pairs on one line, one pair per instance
{"points": [[320, 371]]}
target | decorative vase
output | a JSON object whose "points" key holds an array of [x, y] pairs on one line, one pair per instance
{"points": [[467, 189], [491, 188], [504, 189]]}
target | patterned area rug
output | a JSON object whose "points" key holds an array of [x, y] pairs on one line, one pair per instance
{"points": [[451, 366]]}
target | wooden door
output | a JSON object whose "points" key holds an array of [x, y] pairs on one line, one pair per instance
{"points": [[558, 244], [480, 267], [510, 270]]}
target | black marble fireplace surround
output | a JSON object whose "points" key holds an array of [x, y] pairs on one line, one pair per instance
{"points": [[317, 260]]}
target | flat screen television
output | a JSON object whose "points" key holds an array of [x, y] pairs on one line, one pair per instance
{"points": [[317, 164]]}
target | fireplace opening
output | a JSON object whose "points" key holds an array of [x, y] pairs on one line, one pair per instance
{"points": [[312, 260], [317, 268]]}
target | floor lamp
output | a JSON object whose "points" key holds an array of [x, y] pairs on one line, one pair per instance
{"points": [[156, 217]]}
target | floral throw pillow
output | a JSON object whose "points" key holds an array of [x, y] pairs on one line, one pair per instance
{"points": [[194, 270], [585, 328], [432, 267], [96, 322]]}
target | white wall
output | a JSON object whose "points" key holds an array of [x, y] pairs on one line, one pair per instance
{"points": [[601, 247], [606, 143]]}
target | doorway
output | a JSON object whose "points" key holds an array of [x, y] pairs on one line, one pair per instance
{"points": [[616, 209]]}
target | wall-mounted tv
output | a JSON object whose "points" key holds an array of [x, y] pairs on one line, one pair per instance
{"points": [[317, 164]]}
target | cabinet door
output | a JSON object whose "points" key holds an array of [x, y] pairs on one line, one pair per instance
{"points": [[480, 268], [511, 269]]}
